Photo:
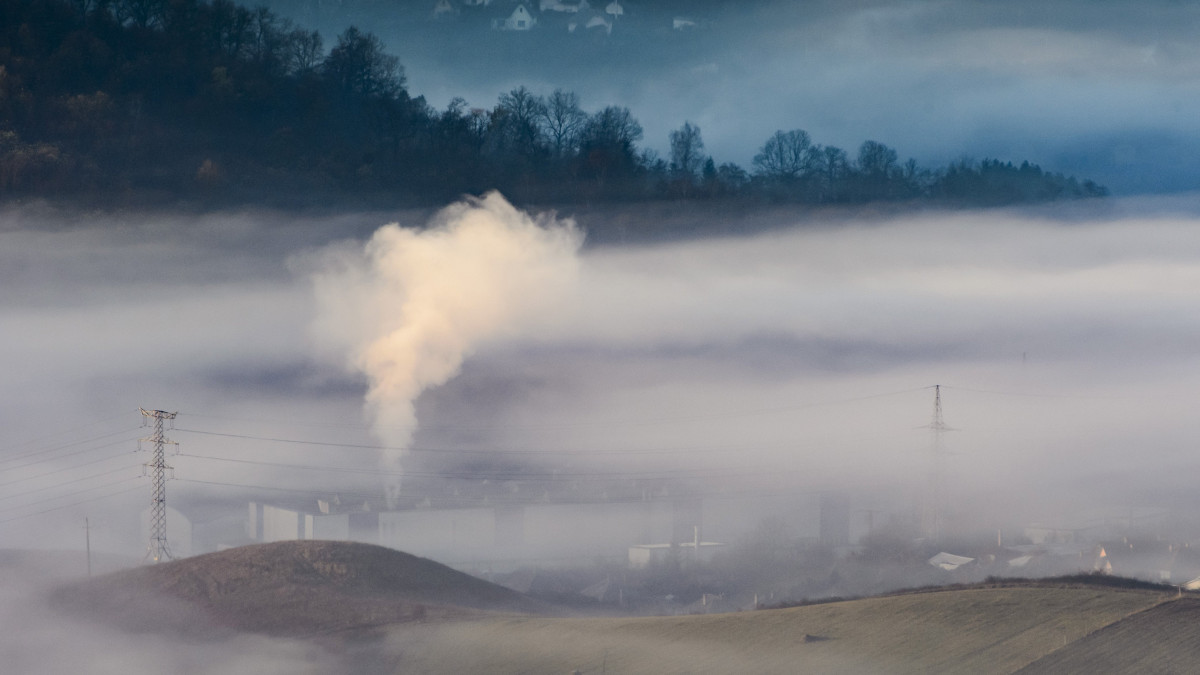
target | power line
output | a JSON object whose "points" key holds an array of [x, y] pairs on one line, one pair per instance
{"points": [[66, 468], [67, 506], [340, 493], [158, 549], [498, 475], [609, 423], [69, 482], [64, 446], [65, 431], [487, 451], [492, 500], [359, 446], [267, 420], [69, 494], [1026, 394]]}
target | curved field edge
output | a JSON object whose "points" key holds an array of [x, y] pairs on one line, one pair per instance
{"points": [[991, 630], [1162, 639]]}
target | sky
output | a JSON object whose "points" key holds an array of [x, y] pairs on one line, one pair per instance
{"points": [[1105, 90], [799, 358]]}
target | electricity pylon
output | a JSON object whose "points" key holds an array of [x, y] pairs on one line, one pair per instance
{"points": [[932, 504], [157, 548]]}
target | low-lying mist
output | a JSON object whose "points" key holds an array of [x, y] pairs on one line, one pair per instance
{"points": [[37, 638], [797, 359]]}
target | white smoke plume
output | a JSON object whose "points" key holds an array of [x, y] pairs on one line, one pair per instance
{"points": [[410, 306]]}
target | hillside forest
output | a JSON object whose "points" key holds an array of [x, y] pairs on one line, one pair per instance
{"points": [[127, 102]]}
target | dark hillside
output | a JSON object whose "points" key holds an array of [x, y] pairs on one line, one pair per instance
{"points": [[290, 588], [208, 103]]}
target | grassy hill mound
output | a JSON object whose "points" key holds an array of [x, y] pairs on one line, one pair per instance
{"points": [[973, 630], [290, 588]]}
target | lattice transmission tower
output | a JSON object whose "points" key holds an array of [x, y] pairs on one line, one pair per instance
{"points": [[934, 501], [157, 548]]}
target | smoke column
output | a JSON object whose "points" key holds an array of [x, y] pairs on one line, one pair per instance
{"points": [[410, 306]]}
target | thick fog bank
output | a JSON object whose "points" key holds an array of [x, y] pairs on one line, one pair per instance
{"points": [[799, 359], [38, 637]]}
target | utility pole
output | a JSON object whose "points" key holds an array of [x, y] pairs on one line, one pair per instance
{"points": [[157, 548], [87, 534], [931, 516]]}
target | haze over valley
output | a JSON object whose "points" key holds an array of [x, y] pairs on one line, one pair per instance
{"points": [[643, 337]]}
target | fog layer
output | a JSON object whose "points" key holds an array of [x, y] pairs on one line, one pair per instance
{"points": [[798, 359]]}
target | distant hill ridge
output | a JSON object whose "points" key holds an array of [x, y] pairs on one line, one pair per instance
{"points": [[213, 104], [291, 588]]}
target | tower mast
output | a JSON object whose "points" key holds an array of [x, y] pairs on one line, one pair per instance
{"points": [[933, 503], [157, 548]]}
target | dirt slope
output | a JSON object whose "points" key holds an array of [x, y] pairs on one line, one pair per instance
{"points": [[1163, 639], [290, 588]]}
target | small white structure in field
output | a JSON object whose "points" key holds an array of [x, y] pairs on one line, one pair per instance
{"points": [[1020, 561], [642, 555], [949, 561], [520, 19], [681, 23], [599, 22], [614, 9], [476, 3], [442, 9]]}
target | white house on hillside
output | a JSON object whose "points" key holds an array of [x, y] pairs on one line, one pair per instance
{"points": [[600, 23], [520, 19], [590, 21]]}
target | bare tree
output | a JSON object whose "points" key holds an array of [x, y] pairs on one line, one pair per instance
{"points": [[607, 143], [785, 156], [228, 28], [687, 150], [613, 127], [305, 50], [732, 176], [516, 120], [562, 119], [876, 160], [265, 38], [140, 13], [358, 65], [832, 165]]}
